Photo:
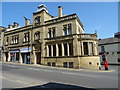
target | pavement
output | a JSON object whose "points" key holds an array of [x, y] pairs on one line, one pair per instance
{"points": [[17, 76], [61, 68]]}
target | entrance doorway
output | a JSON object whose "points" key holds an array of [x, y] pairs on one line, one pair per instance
{"points": [[38, 57], [26, 58]]}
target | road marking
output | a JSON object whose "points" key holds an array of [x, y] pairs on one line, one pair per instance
{"points": [[79, 74], [33, 69], [63, 72], [11, 66]]}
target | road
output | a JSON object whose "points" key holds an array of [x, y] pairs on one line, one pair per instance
{"points": [[25, 76]]}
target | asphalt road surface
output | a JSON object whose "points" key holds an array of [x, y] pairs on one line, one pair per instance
{"points": [[24, 76]]}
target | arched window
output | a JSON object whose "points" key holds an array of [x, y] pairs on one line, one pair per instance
{"points": [[37, 35], [37, 19]]}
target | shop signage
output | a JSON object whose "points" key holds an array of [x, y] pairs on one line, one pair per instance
{"points": [[14, 51], [23, 50]]}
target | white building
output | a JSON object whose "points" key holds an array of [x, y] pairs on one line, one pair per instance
{"points": [[111, 47]]}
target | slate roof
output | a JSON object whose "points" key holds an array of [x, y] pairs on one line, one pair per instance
{"points": [[111, 40]]}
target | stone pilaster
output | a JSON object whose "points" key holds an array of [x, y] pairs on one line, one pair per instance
{"points": [[56, 49], [63, 50]]}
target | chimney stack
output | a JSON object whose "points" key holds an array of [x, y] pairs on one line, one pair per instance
{"points": [[27, 21], [60, 11], [15, 24], [10, 26]]}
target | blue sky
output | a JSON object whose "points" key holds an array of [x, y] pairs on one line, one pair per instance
{"points": [[100, 16]]}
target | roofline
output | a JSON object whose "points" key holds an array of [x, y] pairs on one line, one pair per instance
{"points": [[41, 11], [61, 17]]}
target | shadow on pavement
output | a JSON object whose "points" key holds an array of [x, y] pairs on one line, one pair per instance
{"points": [[53, 86]]}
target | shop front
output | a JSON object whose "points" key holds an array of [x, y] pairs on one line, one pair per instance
{"points": [[14, 55], [25, 53]]}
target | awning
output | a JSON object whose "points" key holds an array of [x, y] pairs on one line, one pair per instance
{"points": [[24, 50], [14, 51]]}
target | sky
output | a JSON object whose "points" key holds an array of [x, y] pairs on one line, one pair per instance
{"points": [[95, 16]]}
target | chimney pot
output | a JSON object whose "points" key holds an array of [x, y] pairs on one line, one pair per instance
{"points": [[27, 21], [15, 24], [10, 26], [60, 11]]}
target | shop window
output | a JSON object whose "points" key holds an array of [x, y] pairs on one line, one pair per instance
{"points": [[53, 64], [48, 63], [37, 35], [60, 49], [54, 50], [70, 64], [49, 47], [65, 64], [70, 48], [65, 50], [85, 47]]}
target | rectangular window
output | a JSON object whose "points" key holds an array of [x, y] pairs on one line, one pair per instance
{"points": [[65, 29], [85, 47], [49, 47], [54, 50], [49, 63], [91, 48], [26, 37], [70, 64], [49, 33], [53, 64], [65, 49], [7, 40], [15, 39], [70, 48], [65, 64], [53, 31], [102, 49], [60, 49], [69, 29]]}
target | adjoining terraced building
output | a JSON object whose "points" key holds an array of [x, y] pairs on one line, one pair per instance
{"points": [[53, 41]]}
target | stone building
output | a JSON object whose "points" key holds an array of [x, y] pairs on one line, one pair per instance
{"points": [[53, 41], [1, 41], [110, 46]]}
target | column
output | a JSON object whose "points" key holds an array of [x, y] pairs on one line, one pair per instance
{"points": [[63, 50], [95, 48], [82, 49], [68, 48], [20, 58], [8, 56], [34, 57], [57, 50], [51, 50], [4, 57], [88, 48], [47, 51]]}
